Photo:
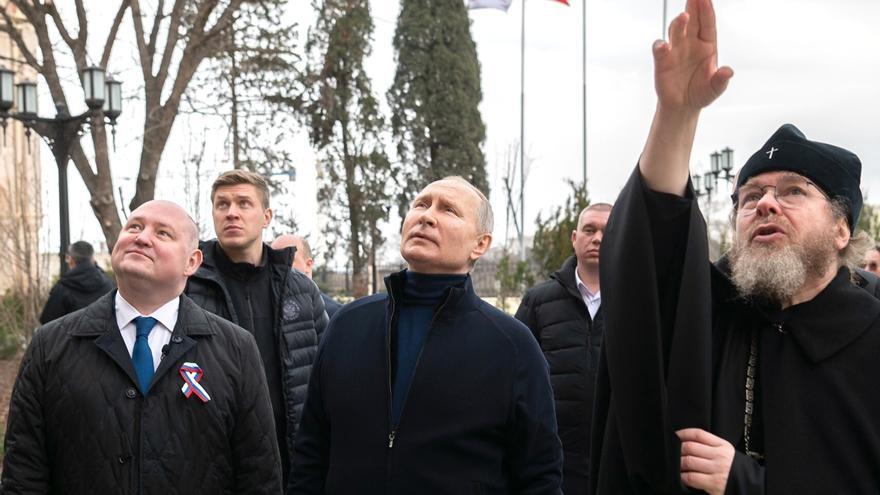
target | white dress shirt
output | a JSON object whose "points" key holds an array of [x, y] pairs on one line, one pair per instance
{"points": [[591, 300], [166, 317]]}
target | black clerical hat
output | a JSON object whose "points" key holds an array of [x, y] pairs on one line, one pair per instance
{"points": [[835, 170]]}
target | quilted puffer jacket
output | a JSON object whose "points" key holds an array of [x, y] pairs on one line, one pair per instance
{"points": [[78, 424], [556, 314], [299, 321]]}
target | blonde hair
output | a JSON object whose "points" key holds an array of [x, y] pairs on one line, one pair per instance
{"points": [[237, 177]]}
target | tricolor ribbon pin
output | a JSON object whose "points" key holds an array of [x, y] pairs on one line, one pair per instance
{"points": [[192, 375]]}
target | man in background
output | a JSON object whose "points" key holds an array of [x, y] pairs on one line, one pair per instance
{"points": [[303, 261], [564, 314], [252, 285], [82, 285], [872, 260]]}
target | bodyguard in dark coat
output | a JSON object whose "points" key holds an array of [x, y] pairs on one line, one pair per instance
{"points": [[82, 285], [143, 392], [760, 378], [565, 316], [248, 283], [428, 389]]}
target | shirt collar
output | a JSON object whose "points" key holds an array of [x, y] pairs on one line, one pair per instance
{"points": [[166, 314], [582, 287]]}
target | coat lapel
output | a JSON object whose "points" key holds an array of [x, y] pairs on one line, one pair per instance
{"points": [[191, 322], [102, 314]]}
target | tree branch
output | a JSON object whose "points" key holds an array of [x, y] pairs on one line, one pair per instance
{"points": [[83, 34], [154, 30], [201, 17], [145, 55], [225, 19], [111, 37], [171, 39], [65, 35]]}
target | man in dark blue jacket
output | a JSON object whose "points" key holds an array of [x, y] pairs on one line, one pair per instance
{"points": [[428, 389]]}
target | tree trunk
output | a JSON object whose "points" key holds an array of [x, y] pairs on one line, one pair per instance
{"points": [[358, 267], [157, 128], [233, 76]]}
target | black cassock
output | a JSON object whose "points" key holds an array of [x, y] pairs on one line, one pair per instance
{"points": [[676, 355]]}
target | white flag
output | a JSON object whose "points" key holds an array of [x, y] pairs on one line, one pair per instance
{"points": [[490, 4]]}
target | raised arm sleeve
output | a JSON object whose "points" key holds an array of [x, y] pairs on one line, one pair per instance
{"points": [[656, 302]]}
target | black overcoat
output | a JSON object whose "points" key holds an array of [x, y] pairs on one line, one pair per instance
{"points": [[78, 424], [676, 351]]}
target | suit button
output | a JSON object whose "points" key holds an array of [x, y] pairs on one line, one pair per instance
{"points": [[177, 339], [123, 459], [130, 393]]}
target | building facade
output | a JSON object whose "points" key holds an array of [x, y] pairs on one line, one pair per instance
{"points": [[21, 268]]}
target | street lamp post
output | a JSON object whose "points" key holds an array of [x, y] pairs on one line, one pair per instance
{"points": [[720, 166], [104, 99]]}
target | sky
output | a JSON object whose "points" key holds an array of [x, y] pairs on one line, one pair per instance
{"points": [[812, 63]]}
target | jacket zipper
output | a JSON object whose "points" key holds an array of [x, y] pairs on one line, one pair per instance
{"points": [[277, 310], [392, 431], [393, 434]]}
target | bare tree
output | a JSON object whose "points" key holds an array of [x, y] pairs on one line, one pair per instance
{"points": [[24, 271], [171, 43]]}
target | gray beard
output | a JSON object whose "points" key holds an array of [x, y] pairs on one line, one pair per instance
{"points": [[775, 275]]}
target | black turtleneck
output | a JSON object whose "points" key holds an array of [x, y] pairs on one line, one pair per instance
{"points": [[422, 295], [250, 287]]}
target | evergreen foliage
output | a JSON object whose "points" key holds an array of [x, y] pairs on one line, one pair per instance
{"points": [[514, 278], [869, 221], [346, 127], [552, 243], [435, 96]]}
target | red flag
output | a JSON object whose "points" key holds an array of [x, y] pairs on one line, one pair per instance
{"points": [[563, 2]]}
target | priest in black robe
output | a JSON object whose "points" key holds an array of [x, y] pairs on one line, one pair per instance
{"points": [[760, 373]]}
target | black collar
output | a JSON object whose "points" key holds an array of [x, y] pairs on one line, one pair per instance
{"points": [[833, 319], [566, 277], [456, 299], [100, 319], [822, 326]]}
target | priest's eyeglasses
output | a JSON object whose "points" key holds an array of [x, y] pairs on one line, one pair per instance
{"points": [[791, 192]]}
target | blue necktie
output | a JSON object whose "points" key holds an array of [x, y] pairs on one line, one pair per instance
{"points": [[141, 355]]}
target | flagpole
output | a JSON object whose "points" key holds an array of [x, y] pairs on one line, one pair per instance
{"points": [[663, 27], [584, 75], [522, 134]]}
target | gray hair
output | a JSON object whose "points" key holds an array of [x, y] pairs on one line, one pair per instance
{"points": [[859, 242], [485, 217]]}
